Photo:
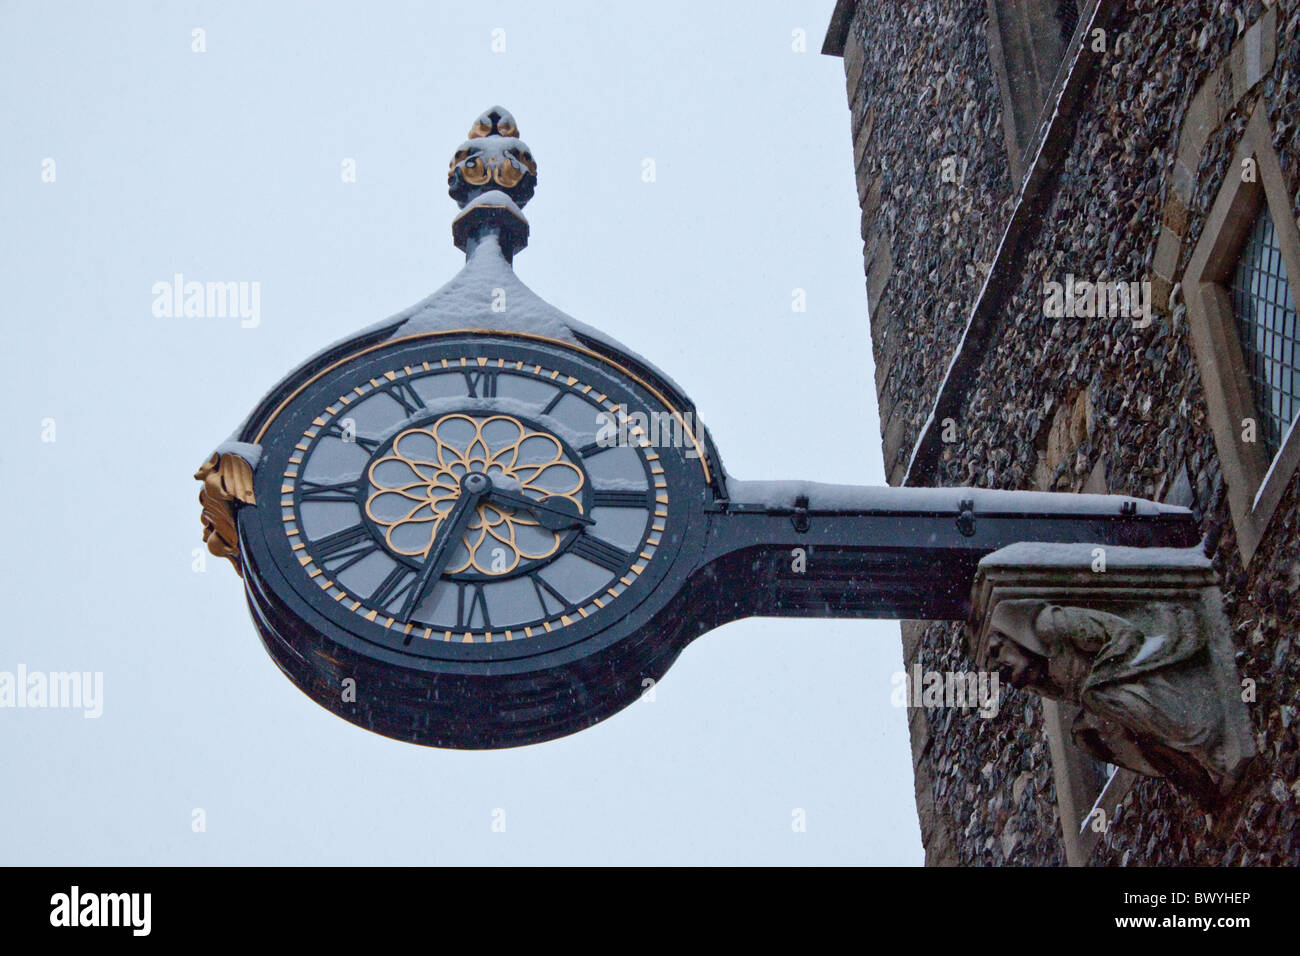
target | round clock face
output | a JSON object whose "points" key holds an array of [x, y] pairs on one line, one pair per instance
{"points": [[475, 497]]}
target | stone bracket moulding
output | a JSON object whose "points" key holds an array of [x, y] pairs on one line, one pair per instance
{"points": [[1143, 647]]}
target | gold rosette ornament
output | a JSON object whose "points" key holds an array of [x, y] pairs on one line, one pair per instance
{"points": [[417, 483]]}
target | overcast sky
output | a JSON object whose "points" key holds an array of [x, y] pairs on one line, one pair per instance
{"points": [[226, 165]]}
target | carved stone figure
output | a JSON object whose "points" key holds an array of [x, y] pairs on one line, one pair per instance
{"points": [[1149, 699]]}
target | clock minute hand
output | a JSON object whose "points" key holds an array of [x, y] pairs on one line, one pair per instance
{"points": [[473, 487], [552, 517]]}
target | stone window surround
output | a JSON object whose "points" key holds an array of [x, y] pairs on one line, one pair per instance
{"points": [[1077, 814], [1008, 24], [1255, 484]]}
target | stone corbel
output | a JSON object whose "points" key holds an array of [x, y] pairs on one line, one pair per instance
{"points": [[1138, 639]]}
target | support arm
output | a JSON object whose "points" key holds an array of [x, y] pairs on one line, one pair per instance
{"points": [[802, 549]]}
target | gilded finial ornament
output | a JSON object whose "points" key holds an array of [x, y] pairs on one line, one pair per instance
{"points": [[495, 122], [227, 483], [492, 158]]}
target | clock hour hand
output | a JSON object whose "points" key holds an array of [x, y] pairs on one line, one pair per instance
{"points": [[473, 488], [553, 516]]}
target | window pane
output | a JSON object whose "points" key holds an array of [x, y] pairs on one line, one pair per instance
{"points": [[1266, 325]]}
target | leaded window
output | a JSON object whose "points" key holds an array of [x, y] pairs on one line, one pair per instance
{"points": [[1266, 325]]}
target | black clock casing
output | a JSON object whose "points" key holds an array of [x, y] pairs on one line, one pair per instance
{"points": [[447, 692]]}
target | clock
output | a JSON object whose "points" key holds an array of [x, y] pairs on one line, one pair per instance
{"points": [[469, 491], [480, 508], [482, 524], [472, 525]]}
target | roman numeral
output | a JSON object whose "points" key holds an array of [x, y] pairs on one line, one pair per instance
{"points": [[555, 400], [334, 430], [609, 557], [406, 396], [465, 607], [593, 448], [543, 588], [347, 546], [621, 499], [394, 586], [482, 383], [329, 491]]}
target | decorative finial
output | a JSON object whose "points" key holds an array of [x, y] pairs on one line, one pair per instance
{"points": [[495, 122], [492, 158], [492, 176]]}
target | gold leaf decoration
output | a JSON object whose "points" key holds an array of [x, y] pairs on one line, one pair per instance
{"points": [[417, 483], [227, 483]]}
